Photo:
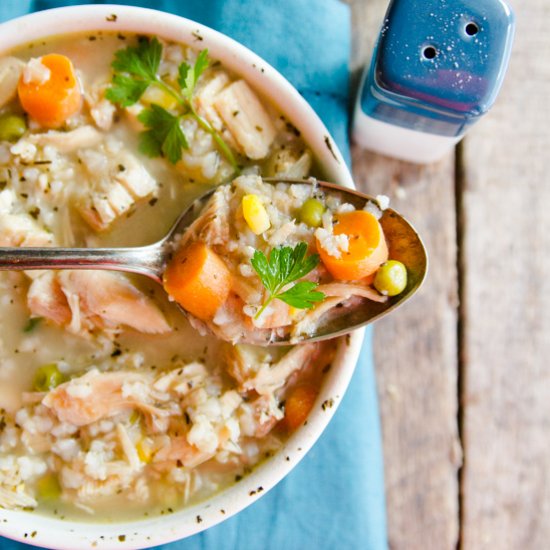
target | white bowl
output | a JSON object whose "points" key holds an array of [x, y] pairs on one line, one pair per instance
{"points": [[72, 535]]}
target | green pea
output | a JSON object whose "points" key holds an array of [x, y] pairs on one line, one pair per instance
{"points": [[12, 127], [391, 278], [48, 488], [48, 377], [312, 212]]}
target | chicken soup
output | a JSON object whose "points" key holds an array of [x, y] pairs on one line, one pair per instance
{"points": [[111, 404]]}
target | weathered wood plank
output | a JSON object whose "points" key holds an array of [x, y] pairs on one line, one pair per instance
{"points": [[506, 196], [416, 349], [416, 361]]}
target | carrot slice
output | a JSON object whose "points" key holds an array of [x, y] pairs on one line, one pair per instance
{"points": [[367, 247], [53, 101], [298, 405], [198, 279]]}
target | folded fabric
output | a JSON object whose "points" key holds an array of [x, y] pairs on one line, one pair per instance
{"points": [[335, 497]]}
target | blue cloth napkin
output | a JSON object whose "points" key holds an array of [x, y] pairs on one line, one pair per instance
{"points": [[335, 497]]}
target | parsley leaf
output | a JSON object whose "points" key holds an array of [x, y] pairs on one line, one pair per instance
{"points": [[135, 69], [302, 295], [125, 90], [284, 266], [164, 136], [183, 72], [142, 61], [188, 76]]}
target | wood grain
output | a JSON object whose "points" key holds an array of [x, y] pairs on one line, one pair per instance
{"points": [[506, 197], [416, 349], [416, 362]]}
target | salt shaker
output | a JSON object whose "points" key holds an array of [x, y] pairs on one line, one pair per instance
{"points": [[437, 69]]}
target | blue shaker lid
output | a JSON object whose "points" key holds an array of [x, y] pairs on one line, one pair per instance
{"points": [[439, 64]]}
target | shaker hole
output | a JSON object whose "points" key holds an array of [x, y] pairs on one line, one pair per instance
{"points": [[471, 29], [429, 52]]}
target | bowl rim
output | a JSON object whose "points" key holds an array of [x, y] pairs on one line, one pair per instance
{"points": [[74, 535]]}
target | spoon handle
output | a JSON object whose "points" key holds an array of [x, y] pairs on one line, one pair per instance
{"points": [[144, 260]]}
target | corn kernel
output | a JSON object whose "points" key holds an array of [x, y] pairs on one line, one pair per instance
{"points": [[255, 214], [157, 95], [144, 451], [47, 487]]}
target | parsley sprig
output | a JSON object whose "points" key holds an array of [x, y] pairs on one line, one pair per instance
{"points": [[164, 136], [284, 266], [137, 68]]}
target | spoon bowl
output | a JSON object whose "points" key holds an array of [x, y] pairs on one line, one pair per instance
{"points": [[404, 245], [151, 260]]}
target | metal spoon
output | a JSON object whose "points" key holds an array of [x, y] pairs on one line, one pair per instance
{"points": [[403, 242]]}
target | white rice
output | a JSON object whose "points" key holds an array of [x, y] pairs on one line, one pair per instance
{"points": [[334, 245], [383, 201], [35, 72]]}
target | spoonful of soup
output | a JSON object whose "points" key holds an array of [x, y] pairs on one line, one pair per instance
{"points": [[269, 261]]}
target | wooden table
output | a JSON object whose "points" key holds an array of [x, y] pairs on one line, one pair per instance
{"points": [[463, 382]]}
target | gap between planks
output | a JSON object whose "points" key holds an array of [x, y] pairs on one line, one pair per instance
{"points": [[460, 333]]}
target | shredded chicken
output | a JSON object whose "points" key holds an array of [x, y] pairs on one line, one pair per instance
{"points": [[243, 361], [264, 413], [101, 109], [336, 293], [22, 230], [212, 226], [309, 323], [67, 142], [206, 94], [246, 119], [347, 290], [128, 447], [82, 300], [11, 499], [96, 395], [10, 71], [45, 298], [181, 450], [115, 187], [271, 377], [277, 314]]}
